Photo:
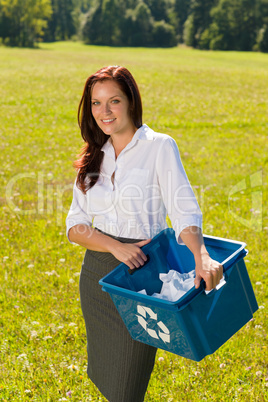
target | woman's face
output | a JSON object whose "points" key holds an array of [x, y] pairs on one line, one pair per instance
{"points": [[110, 109]]}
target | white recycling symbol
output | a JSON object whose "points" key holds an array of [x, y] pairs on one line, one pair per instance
{"points": [[163, 331]]}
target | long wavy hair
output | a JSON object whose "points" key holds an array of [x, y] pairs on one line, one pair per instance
{"points": [[91, 156]]}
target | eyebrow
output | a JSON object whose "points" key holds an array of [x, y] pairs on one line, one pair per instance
{"points": [[115, 96]]}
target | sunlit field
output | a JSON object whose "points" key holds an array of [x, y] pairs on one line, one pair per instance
{"points": [[215, 106]]}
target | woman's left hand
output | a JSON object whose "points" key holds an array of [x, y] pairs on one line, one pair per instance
{"points": [[209, 270], [205, 268]]}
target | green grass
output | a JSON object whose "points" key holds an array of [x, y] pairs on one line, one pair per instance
{"points": [[215, 105]]}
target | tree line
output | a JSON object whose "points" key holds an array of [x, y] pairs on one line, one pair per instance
{"points": [[202, 24]]}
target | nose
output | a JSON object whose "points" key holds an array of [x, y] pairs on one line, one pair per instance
{"points": [[106, 108]]}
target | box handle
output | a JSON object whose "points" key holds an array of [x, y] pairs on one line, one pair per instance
{"points": [[229, 262], [132, 271], [220, 285]]}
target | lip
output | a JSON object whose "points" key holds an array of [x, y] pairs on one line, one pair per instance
{"points": [[108, 121]]}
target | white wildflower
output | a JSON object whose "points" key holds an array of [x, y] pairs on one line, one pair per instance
{"points": [[72, 324], [73, 367], [49, 273], [34, 334], [22, 356], [62, 260]]}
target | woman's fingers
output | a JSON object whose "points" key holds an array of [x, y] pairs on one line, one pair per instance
{"points": [[131, 253], [138, 259], [143, 242], [217, 272], [209, 270]]}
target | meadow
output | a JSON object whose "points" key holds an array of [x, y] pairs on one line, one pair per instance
{"points": [[215, 106]]}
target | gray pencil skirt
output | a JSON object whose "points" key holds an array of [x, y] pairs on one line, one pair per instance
{"points": [[119, 366]]}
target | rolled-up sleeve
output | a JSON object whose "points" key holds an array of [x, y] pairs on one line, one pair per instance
{"points": [[177, 194], [79, 211]]}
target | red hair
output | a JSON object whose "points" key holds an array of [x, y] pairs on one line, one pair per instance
{"points": [[89, 162]]}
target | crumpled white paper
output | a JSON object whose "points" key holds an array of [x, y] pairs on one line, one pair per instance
{"points": [[175, 285]]}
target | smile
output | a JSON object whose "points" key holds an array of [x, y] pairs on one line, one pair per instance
{"points": [[108, 120]]}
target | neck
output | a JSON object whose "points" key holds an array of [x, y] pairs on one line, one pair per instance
{"points": [[120, 141]]}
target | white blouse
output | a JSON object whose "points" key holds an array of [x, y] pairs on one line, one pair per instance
{"points": [[149, 183]]}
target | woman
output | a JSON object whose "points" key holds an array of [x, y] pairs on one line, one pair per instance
{"points": [[129, 179]]}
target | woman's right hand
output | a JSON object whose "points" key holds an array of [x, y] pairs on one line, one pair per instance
{"points": [[130, 254]]}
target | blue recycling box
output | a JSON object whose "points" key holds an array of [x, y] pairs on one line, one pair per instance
{"points": [[198, 323]]}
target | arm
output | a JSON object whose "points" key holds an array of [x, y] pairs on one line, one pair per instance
{"points": [[184, 212], [205, 268], [79, 230], [177, 193], [90, 238]]}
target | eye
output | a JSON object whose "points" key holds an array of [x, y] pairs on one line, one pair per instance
{"points": [[95, 103], [115, 101]]}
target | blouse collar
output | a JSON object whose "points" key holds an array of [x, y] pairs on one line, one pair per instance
{"points": [[143, 133]]}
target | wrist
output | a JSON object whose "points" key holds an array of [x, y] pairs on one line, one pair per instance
{"points": [[200, 254], [111, 245]]}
